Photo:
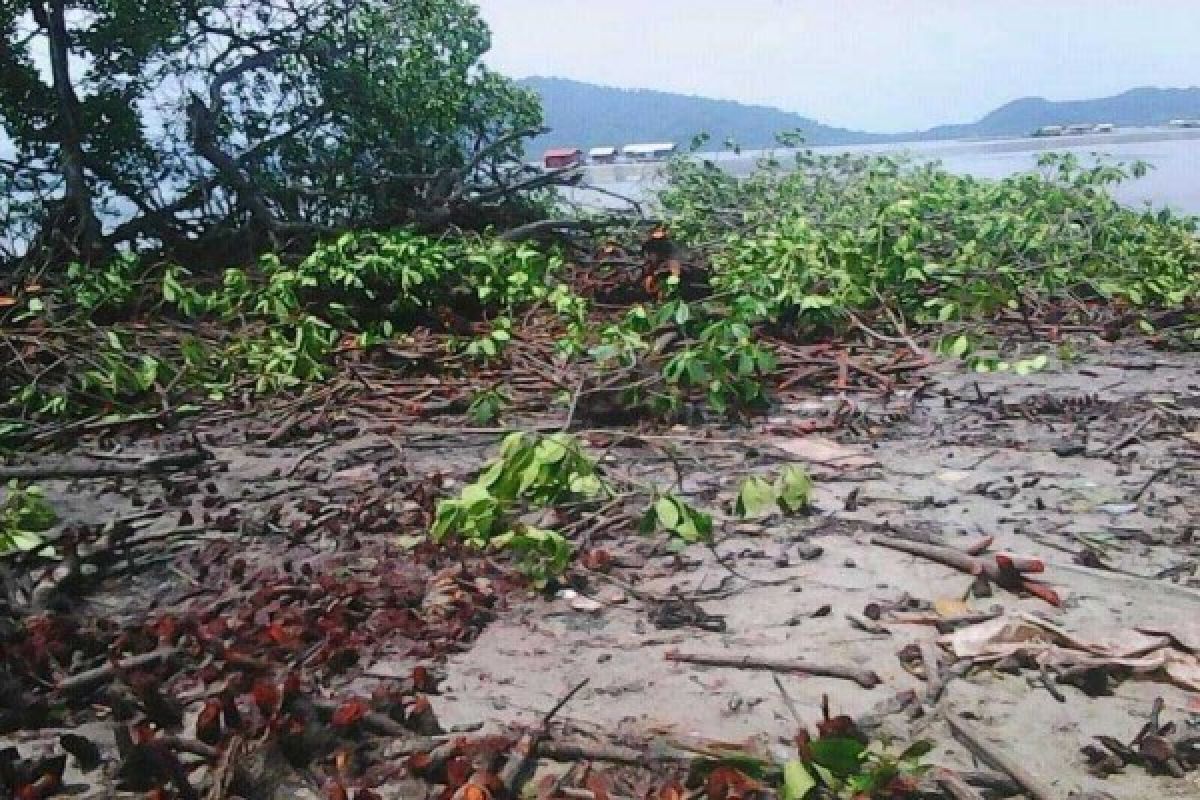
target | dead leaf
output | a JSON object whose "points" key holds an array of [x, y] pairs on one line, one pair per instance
{"points": [[951, 607], [826, 452], [349, 713]]}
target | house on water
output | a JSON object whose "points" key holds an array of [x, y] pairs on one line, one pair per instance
{"points": [[562, 157], [602, 155], [649, 152]]}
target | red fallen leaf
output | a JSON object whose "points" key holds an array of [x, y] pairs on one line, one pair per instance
{"points": [[45, 786], [337, 792], [422, 681], [597, 785], [282, 635], [727, 783], [349, 713], [419, 762], [208, 723], [291, 687], [230, 711], [901, 787], [673, 790], [367, 794], [208, 674], [266, 697], [472, 791], [216, 628], [167, 630], [839, 727], [458, 771], [158, 794], [597, 559], [804, 746], [142, 733]]}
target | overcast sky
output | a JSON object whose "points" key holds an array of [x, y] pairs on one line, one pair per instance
{"points": [[879, 65]]}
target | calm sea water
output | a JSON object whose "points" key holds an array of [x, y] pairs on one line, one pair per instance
{"points": [[1174, 181]]}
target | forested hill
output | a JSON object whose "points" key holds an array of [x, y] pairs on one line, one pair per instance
{"points": [[588, 115], [1135, 108]]}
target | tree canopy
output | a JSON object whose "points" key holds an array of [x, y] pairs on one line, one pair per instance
{"points": [[218, 129]]}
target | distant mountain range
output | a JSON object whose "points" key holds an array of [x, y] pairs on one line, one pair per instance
{"points": [[586, 115]]}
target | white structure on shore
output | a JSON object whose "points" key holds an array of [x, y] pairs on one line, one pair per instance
{"points": [[602, 155], [1075, 129], [649, 152]]}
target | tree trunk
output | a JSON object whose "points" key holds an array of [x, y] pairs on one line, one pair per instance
{"points": [[78, 200]]}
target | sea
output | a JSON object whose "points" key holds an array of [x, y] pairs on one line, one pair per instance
{"points": [[1173, 181]]}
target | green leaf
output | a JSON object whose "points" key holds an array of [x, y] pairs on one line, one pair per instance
{"points": [[586, 485], [756, 498], [667, 512], [797, 781], [916, 750], [842, 757], [794, 488]]}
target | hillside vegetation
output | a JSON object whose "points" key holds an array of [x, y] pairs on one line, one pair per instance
{"points": [[587, 115]]}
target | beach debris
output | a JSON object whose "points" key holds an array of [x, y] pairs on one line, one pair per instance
{"points": [[1007, 570], [824, 452], [1168, 748], [863, 677], [997, 758], [1040, 644]]}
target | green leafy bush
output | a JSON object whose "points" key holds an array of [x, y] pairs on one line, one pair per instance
{"points": [[24, 516], [842, 234], [531, 472]]}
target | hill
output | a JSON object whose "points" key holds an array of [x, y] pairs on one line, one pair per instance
{"points": [[1141, 107], [587, 115]]}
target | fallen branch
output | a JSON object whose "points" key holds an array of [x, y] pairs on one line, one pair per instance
{"points": [[997, 758], [935, 682], [101, 675], [864, 678], [952, 784], [517, 769], [571, 752], [1132, 436], [100, 469], [1005, 570]]}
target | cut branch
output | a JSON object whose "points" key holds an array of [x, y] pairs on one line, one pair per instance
{"points": [[864, 678]]}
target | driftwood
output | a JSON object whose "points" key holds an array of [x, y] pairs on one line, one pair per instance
{"points": [[953, 785], [935, 682], [92, 678], [949, 556], [998, 759], [103, 469], [864, 678], [518, 767], [1004, 570], [565, 751]]}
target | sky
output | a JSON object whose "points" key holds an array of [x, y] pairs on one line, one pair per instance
{"points": [[876, 65]]}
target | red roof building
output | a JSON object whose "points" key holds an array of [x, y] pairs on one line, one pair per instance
{"points": [[562, 157]]}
